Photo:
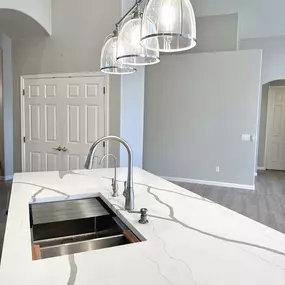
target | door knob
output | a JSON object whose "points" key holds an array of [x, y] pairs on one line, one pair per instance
{"points": [[58, 148], [64, 149]]}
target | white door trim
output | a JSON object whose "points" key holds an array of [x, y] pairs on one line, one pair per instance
{"points": [[267, 126], [64, 75], [60, 75]]}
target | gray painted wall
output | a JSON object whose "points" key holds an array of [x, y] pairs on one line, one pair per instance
{"points": [[216, 33], [263, 120], [5, 44], [195, 116], [132, 109], [273, 63], [79, 29], [132, 116]]}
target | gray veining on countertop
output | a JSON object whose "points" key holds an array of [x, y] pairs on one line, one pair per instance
{"points": [[172, 218], [189, 239], [42, 188], [73, 270]]}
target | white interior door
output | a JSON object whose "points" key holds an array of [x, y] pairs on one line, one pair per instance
{"points": [[66, 112], [42, 125], [275, 134], [83, 120]]}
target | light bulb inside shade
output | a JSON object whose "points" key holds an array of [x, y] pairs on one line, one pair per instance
{"points": [[109, 62], [168, 15], [173, 25], [135, 35], [130, 51]]}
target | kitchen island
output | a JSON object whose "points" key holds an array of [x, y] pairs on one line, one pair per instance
{"points": [[189, 239]]}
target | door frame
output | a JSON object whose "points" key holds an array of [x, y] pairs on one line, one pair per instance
{"points": [[60, 75], [267, 122]]}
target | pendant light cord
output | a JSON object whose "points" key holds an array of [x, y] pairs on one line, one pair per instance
{"points": [[138, 2]]}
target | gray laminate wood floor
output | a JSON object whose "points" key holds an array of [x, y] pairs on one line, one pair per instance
{"points": [[266, 204]]}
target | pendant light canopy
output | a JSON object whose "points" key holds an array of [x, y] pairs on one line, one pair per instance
{"points": [[130, 51], [109, 62], [171, 23]]}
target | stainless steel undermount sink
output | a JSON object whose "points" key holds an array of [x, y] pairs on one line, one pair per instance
{"points": [[76, 225]]}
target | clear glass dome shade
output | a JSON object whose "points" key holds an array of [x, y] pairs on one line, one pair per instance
{"points": [[109, 62], [130, 51], [170, 22]]}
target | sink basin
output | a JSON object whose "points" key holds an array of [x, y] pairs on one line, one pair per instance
{"points": [[77, 225], [76, 247]]}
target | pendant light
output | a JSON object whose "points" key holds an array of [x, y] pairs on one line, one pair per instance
{"points": [[130, 51], [109, 62], [170, 22]]}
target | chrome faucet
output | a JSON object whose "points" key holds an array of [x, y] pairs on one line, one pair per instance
{"points": [[114, 180], [129, 189]]}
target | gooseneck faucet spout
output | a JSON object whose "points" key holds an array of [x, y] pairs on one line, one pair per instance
{"points": [[129, 189]]}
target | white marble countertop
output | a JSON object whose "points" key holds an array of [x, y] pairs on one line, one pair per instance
{"points": [[190, 240]]}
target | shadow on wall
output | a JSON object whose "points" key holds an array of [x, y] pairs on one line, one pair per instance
{"points": [[263, 120]]}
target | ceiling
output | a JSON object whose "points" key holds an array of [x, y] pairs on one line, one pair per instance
{"points": [[257, 18]]}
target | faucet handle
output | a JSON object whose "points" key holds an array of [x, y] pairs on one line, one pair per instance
{"points": [[125, 189], [115, 189]]}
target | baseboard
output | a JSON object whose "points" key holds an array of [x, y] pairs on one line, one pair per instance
{"points": [[6, 178], [261, 168], [210, 183]]}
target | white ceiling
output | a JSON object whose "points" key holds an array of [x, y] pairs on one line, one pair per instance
{"points": [[257, 18]]}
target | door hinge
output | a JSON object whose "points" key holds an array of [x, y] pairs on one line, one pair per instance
{"points": [[24, 92], [24, 139], [104, 144], [104, 90]]}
